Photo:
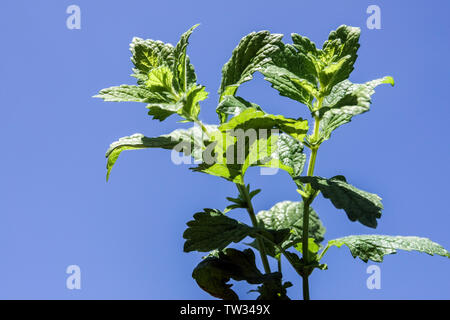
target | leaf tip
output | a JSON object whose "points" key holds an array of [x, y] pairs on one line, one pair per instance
{"points": [[389, 80]]}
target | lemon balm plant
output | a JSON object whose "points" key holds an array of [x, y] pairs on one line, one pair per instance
{"points": [[246, 136]]}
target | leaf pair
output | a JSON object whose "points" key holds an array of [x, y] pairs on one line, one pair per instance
{"points": [[166, 80], [302, 72]]}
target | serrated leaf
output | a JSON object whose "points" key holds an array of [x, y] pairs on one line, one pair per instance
{"points": [[338, 56], [185, 104], [345, 101], [214, 272], [302, 72], [211, 229], [126, 93], [252, 52], [189, 141], [293, 70], [232, 106], [231, 153], [287, 155], [149, 54], [288, 215], [359, 205], [253, 119], [375, 247], [183, 70], [166, 80], [248, 140], [292, 62]]}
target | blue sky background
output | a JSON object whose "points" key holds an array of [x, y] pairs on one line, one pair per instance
{"points": [[126, 235]]}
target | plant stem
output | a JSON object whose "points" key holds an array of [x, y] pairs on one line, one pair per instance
{"points": [[306, 203], [305, 247], [262, 249]]}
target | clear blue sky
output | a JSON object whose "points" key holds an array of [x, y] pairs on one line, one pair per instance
{"points": [[126, 235]]}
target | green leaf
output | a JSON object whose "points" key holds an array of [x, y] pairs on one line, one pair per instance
{"points": [[190, 141], [160, 79], [291, 72], [211, 229], [246, 140], [231, 153], [297, 70], [166, 80], [185, 104], [231, 105], [375, 247], [313, 247], [288, 215], [287, 155], [150, 54], [345, 101], [337, 57], [125, 93], [215, 160], [252, 118], [214, 272], [252, 52], [359, 205], [183, 70]]}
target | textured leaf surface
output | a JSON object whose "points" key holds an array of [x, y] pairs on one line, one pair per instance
{"points": [[245, 142], [214, 272], [189, 141], [302, 72], [375, 247], [287, 155], [252, 52], [149, 54], [211, 230], [166, 80], [291, 63], [126, 93], [338, 56], [345, 101], [232, 106], [182, 68], [359, 205], [252, 118], [289, 215]]}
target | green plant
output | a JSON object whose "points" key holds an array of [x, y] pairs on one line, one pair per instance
{"points": [[245, 137]]}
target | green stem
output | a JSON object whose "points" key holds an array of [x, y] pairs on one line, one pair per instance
{"points": [[306, 203], [262, 249], [305, 248]]}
